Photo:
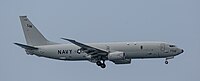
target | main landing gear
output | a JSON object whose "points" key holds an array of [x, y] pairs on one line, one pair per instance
{"points": [[101, 64]]}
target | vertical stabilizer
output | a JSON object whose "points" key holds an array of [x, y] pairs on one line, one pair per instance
{"points": [[32, 34]]}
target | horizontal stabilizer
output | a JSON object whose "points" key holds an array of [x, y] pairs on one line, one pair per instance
{"points": [[26, 46]]}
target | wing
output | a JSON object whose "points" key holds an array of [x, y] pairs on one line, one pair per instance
{"points": [[88, 49]]}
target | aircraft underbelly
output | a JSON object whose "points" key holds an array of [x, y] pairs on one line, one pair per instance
{"points": [[133, 55]]}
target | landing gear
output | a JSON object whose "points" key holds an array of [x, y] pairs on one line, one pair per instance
{"points": [[166, 62], [101, 64], [98, 63]]}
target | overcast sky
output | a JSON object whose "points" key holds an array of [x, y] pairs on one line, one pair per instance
{"points": [[173, 21]]}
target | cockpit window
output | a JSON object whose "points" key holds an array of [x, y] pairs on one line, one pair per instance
{"points": [[172, 46]]}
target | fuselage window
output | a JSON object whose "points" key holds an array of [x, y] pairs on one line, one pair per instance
{"points": [[127, 44], [172, 46], [141, 47]]}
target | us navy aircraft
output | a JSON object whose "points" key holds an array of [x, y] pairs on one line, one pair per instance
{"points": [[117, 52]]}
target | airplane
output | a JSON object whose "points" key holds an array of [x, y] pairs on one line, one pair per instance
{"points": [[116, 52]]}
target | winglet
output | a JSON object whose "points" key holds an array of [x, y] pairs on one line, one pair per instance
{"points": [[26, 46]]}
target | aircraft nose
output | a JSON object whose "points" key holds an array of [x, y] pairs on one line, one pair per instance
{"points": [[182, 50]]}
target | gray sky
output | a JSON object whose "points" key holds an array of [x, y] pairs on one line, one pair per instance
{"points": [[173, 21]]}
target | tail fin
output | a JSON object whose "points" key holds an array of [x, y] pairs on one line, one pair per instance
{"points": [[32, 35]]}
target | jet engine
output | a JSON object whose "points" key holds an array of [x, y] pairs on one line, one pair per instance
{"points": [[116, 56], [125, 61]]}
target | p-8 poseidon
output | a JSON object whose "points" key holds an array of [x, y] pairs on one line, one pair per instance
{"points": [[116, 52]]}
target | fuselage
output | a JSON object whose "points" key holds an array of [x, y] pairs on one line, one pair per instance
{"points": [[117, 52], [132, 50]]}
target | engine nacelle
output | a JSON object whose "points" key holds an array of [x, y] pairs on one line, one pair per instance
{"points": [[116, 56], [125, 61]]}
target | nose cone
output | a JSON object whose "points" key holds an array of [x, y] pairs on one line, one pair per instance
{"points": [[181, 51]]}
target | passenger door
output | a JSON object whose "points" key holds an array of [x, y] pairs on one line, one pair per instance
{"points": [[164, 49]]}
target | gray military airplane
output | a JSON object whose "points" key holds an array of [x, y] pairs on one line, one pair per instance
{"points": [[117, 52]]}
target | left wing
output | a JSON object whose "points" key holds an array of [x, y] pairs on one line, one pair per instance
{"points": [[88, 49]]}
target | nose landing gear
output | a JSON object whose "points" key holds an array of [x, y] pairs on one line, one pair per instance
{"points": [[166, 60]]}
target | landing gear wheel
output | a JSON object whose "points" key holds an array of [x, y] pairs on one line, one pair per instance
{"points": [[103, 65], [166, 62], [98, 63]]}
